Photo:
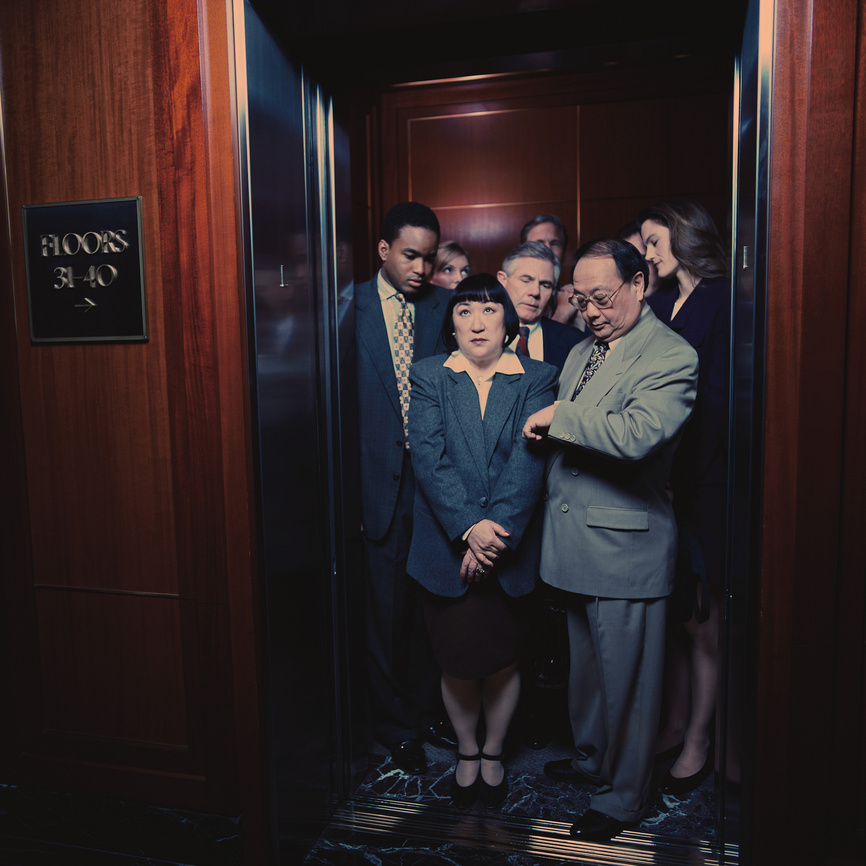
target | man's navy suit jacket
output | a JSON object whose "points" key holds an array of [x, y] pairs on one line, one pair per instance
{"points": [[380, 422], [559, 340]]}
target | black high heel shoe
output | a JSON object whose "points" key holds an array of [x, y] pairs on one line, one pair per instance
{"points": [[492, 795], [681, 785], [464, 797]]}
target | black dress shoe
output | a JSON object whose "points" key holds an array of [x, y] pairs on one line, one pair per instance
{"points": [[492, 795], [464, 797], [564, 771], [441, 734], [680, 785], [596, 826], [409, 756]]}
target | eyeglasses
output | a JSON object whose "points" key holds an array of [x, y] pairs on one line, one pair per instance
{"points": [[601, 300]]}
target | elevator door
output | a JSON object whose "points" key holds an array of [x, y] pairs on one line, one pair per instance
{"points": [[295, 181]]}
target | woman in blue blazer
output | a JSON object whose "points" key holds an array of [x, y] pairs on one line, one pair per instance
{"points": [[476, 538], [684, 244]]}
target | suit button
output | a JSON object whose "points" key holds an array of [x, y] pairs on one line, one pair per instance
{"points": [[546, 497], [564, 507], [399, 443], [575, 472], [483, 502], [396, 476]]}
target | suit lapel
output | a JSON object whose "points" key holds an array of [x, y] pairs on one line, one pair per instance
{"points": [[628, 350], [373, 336], [464, 400], [573, 371], [503, 395], [428, 323]]}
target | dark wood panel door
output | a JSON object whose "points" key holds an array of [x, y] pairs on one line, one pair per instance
{"points": [[128, 570]]}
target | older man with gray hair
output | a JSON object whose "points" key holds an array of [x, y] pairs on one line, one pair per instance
{"points": [[529, 274]]}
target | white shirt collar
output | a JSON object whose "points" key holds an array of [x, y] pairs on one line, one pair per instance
{"points": [[508, 363]]}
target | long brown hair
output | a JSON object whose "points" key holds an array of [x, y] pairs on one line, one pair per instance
{"points": [[695, 241]]}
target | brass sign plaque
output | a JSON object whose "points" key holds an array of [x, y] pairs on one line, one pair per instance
{"points": [[85, 271]]}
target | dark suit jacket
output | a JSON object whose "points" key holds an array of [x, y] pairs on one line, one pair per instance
{"points": [[559, 340], [379, 420], [467, 469], [704, 322]]}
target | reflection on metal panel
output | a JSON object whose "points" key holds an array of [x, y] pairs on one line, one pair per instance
{"points": [[749, 256], [296, 190]]}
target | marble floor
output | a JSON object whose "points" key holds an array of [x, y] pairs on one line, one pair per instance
{"points": [[397, 819]]}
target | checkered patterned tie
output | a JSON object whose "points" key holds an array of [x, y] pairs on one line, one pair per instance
{"points": [[523, 342], [404, 335], [595, 361]]}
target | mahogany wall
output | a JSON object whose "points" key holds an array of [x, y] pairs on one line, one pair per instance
{"points": [[128, 562], [810, 756], [592, 148]]}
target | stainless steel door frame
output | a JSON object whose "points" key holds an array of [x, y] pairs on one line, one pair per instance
{"points": [[294, 166]]}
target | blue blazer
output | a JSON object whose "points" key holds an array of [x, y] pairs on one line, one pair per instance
{"points": [[467, 469], [380, 423]]}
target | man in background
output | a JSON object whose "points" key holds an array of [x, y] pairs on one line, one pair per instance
{"points": [[529, 274]]}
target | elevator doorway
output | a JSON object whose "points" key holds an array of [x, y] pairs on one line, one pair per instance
{"points": [[330, 743]]}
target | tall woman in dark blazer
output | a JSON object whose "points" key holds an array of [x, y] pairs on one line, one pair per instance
{"points": [[476, 538], [683, 243]]}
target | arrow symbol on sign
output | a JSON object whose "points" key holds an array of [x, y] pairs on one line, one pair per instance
{"points": [[87, 307]]}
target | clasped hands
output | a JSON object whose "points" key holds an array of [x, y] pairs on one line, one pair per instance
{"points": [[485, 546]]}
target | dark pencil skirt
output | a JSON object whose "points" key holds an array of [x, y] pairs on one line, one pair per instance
{"points": [[479, 633]]}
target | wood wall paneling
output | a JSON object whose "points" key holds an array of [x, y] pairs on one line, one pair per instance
{"points": [[110, 666], [15, 560], [799, 688], [633, 153], [492, 157], [488, 173], [848, 778], [591, 148], [489, 232], [97, 452], [138, 488]]}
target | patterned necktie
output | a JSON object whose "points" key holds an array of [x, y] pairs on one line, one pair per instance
{"points": [[404, 334], [595, 361], [523, 342]]}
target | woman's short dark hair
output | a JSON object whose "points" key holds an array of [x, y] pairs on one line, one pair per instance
{"points": [[695, 241], [479, 287]]}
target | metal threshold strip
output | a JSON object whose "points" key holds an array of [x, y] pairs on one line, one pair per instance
{"points": [[427, 823]]}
